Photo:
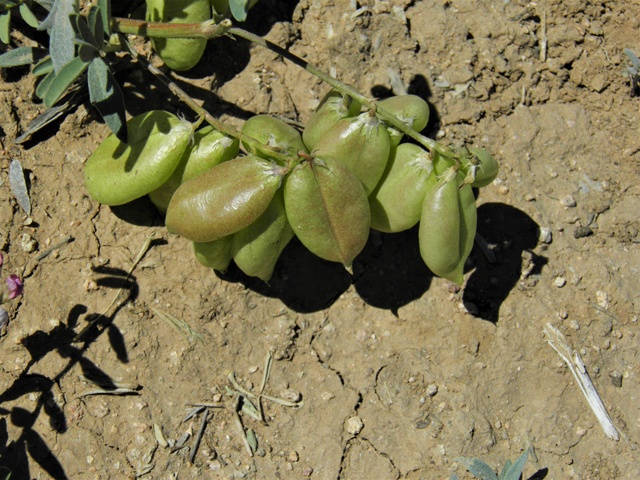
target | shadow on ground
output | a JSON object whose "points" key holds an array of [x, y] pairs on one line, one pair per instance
{"points": [[510, 232]]}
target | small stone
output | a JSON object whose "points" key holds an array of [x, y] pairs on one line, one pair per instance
{"points": [[307, 471], [217, 397], [581, 431], [582, 232], [568, 201], [602, 299], [355, 425], [574, 325], [563, 314], [291, 395], [90, 285], [503, 190], [293, 456], [253, 369], [326, 396], [530, 197], [27, 221], [89, 459], [546, 236], [28, 243], [261, 452], [616, 378], [432, 390], [616, 334], [560, 282]]}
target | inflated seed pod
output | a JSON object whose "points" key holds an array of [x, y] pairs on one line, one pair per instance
{"points": [[179, 53], [256, 248], [447, 225], [216, 254], [224, 199], [209, 148], [117, 173], [361, 144], [332, 108], [481, 167], [273, 132], [327, 207], [396, 203], [410, 109]]}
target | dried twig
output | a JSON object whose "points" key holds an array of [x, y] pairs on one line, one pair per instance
{"points": [[559, 343]]}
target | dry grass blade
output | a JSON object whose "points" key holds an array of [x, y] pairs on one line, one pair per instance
{"points": [[285, 403], [180, 326], [572, 358], [114, 391], [50, 250], [267, 370]]}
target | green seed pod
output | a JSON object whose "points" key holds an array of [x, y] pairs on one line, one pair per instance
{"points": [[210, 148], [327, 207], [333, 108], [117, 173], [256, 248], [410, 109], [481, 167], [273, 132], [224, 199], [447, 225], [179, 53], [216, 254], [361, 144], [396, 203]]}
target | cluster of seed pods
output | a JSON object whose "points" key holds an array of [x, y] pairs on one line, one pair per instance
{"points": [[348, 173]]}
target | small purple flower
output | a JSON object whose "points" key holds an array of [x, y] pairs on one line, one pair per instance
{"points": [[15, 287]]}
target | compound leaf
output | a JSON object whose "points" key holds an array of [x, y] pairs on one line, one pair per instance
{"points": [[63, 79], [633, 58], [105, 12], [106, 96], [28, 16], [21, 56], [43, 67], [478, 468], [239, 9], [61, 32], [515, 470], [5, 27]]}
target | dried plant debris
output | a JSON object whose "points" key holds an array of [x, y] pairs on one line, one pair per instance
{"points": [[19, 186]]}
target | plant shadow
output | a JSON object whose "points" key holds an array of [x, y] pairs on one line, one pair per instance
{"points": [[71, 346], [510, 232]]}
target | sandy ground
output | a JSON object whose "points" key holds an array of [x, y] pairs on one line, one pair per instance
{"points": [[400, 372]]}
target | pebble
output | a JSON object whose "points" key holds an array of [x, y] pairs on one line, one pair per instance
{"points": [[546, 236], [432, 390], [293, 456], [602, 299], [307, 471], [355, 425], [560, 282], [568, 201], [253, 369], [616, 378], [326, 396], [503, 190], [90, 285], [530, 197], [574, 325], [28, 243], [582, 232]]}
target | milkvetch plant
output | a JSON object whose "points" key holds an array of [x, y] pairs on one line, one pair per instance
{"points": [[357, 165]]}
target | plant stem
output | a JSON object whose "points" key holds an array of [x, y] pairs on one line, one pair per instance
{"points": [[143, 28], [208, 30], [203, 113], [342, 87]]}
